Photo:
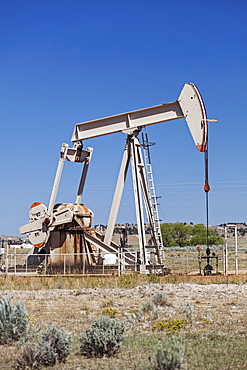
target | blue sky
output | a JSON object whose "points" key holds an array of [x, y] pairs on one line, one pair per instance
{"points": [[64, 62]]}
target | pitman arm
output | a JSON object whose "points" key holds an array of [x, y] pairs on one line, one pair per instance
{"points": [[42, 219]]}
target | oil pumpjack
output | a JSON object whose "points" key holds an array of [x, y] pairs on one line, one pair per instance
{"points": [[67, 228]]}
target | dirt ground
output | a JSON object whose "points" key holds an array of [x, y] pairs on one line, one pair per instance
{"points": [[67, 308], [74, 310]]}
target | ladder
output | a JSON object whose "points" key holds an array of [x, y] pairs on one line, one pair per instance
{"points": [[152, 195]]}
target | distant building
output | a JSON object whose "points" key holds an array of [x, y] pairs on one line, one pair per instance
{"points": [[20, 245]]}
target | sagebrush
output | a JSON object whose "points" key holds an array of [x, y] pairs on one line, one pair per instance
{"points": [[159, 298], [13, 321], [103, 338], [29, 358], [170, 354], [53, 346]]}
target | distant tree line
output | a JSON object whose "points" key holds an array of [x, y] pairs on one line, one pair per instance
{"points": [[180, 234], [131, 229], [242, 231]]}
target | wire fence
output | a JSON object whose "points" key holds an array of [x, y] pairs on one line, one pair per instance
{"points": [[224, 262], [20, 262]]}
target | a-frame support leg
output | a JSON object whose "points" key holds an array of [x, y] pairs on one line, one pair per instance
{"points": [[133, 151], [136, 164], [118, 194]]}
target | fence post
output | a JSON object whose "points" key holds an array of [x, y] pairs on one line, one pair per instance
{"points": [[223, 258], [7, 259], [83, 263], [15, 261], [226, 254], [135, 261], [236, 250], [26, 265], [119, 270], [124, 261]]}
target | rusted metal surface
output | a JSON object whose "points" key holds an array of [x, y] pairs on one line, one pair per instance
{"points": [[67, 243], [80, 211]]}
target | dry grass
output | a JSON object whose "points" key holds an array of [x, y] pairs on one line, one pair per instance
{"points": [[124, 281]]}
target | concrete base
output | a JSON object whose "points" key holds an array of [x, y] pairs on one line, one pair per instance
{"points": [[143, 269]]}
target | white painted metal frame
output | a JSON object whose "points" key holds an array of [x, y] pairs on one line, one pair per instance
{"points": [[75, 154], [84, 175], [39, 229], [137, 168], [127, 122], [118, 193], [133, 152], [156, 233], [57, 179], [189, 106], [225, 249]]}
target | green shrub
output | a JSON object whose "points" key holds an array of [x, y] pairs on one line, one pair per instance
{"points": [[159, 298], [13, 321], [187, 309], [56, 344], [148, 307], [132, 318], [170, 354], [53, 347], [153, 279], [103, 338], [30, 357], [151, 310]]}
